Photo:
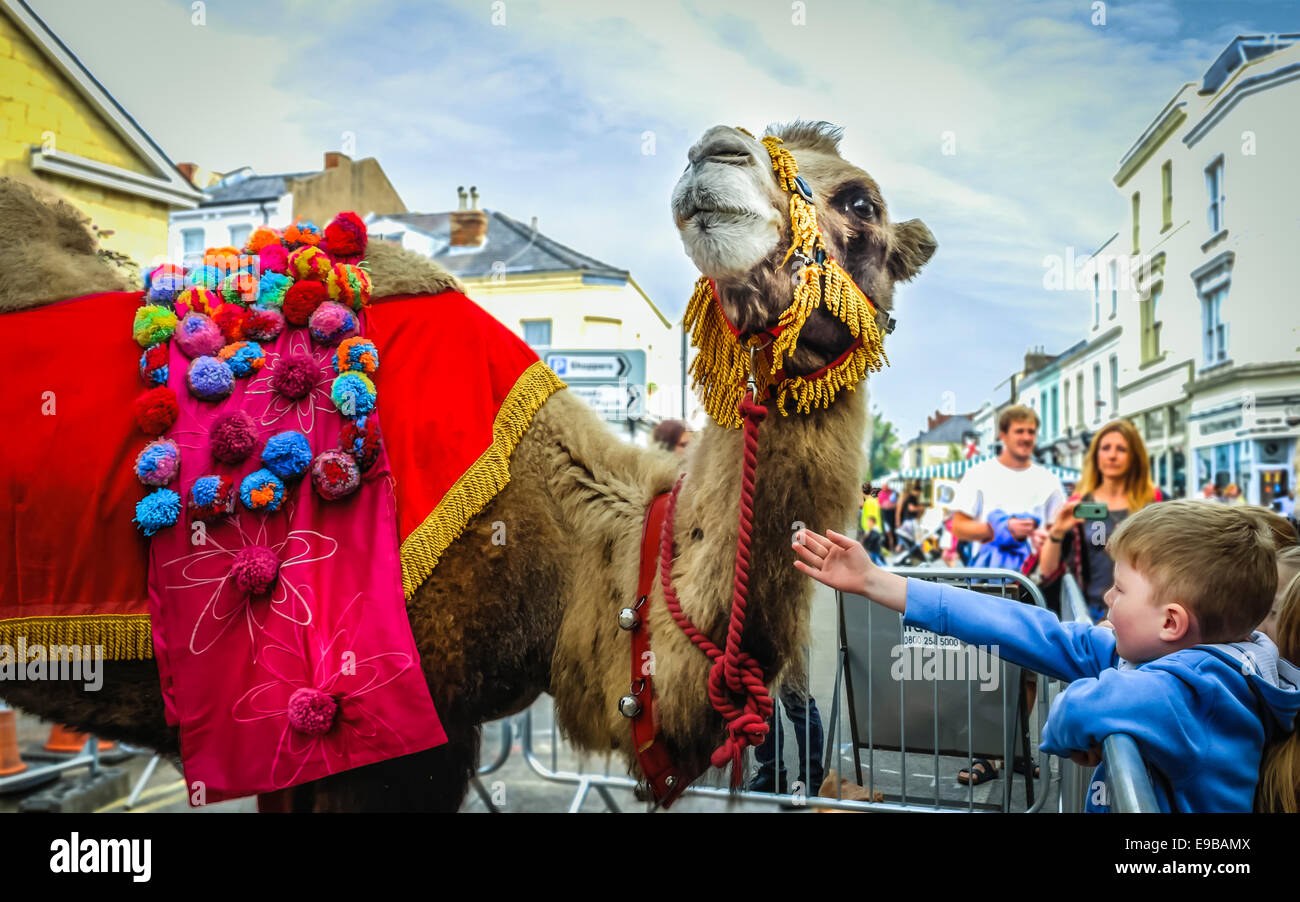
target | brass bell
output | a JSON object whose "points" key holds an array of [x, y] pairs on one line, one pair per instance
{"points": [[629, 706], [628, 619]]}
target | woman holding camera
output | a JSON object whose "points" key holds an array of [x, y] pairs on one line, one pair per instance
{"points": [[1116, 475]]}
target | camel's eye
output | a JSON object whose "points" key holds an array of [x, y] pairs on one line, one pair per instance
{"points": [[858, 203]]}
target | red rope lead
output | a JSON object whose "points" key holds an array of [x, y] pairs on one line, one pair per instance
{"points": [[733, 672]]}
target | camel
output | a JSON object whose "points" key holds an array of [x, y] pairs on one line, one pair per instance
{"points": [[497, 624]]}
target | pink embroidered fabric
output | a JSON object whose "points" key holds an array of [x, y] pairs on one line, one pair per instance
{"points": [[317, 674]]}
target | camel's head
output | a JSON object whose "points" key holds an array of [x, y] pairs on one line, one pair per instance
{"points": [[733, 216]]}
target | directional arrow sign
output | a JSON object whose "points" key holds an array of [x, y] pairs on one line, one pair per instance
{"points": [[598, 366], [611, 381]]}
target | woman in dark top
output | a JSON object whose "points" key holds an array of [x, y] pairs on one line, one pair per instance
{"points": [[910, 507], [1116, 473]]}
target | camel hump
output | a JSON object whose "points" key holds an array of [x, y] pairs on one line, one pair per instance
{"points": [[396, 270]]}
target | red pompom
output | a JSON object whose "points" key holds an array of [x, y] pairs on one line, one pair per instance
{"points": [[156, 410], [230, 319], [345, 238], [302, 299]]}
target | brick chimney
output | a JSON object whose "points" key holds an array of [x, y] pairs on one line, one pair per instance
{"points": [[188, 170], [333, 158], [468, 226]]}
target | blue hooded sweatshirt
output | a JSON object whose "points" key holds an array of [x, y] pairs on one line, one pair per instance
{"points": [[1200, 716]]}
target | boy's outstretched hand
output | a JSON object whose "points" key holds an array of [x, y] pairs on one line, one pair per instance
{"points": [[841, 563]]}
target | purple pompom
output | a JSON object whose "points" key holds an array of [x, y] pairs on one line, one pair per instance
{"points": [[198, 336], [331, 323], [234, 436]]}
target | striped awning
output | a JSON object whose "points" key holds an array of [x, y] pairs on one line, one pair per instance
{"points": [[954, 469]]}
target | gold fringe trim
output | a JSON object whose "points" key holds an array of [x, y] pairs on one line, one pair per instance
{"points": [[479, 484], [124, 637], [722, 367]]}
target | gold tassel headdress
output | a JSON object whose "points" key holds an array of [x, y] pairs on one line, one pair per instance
{"points": [[723, 365]]}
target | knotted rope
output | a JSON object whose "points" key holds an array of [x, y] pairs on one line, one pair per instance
{"points": [[734, 673]]}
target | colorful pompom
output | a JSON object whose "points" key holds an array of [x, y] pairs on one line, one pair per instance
{"points": [[198, 336], [163, 283], [334, 474], [211, 497], [152, 325], [230, 320], [205, 276], [301, 233], [210, 379], [272, 289], [331, 323], [353, 394], [357, 355], [261, 490], [273, 258], [360, 438], [199, 300], [153, 364], [156, 410], [244, 357], [255, 569], [350, 285], [310, 263], [345, 238], [156, 465], [233, 437], [301, 301], [295, 376], [263, 324], [158, 509], [287, 454], [240, 288], [262, 236]]}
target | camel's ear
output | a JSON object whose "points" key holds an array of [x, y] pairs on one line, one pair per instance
{"points": [[912, 246]]}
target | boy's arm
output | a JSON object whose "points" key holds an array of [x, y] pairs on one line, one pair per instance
{"points": [[1155, 707], [1024, 634]]}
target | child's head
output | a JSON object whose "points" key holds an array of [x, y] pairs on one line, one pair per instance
{"points": [[871, 522], [1288, 593], [1186, 574]]}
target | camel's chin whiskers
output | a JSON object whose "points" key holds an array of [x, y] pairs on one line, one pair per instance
{"points": [[723, 246]]}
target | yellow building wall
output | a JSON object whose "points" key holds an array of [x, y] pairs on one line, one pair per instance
{"points": [[37, 104]]}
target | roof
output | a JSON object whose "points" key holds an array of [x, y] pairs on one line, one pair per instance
{"points": [[509, 242], [950, 431], [165, 183], [1242, 49], [254, 187]]}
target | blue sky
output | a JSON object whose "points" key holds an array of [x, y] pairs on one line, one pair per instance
{"points": [[545, 104]]}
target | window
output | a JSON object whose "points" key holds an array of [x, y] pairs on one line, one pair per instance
{"points": [[1078, 395], [1166, 195], [1065, 388], [239, 236], [537, 332], [1137, 206], [1114, 385], [1214, 188], [1114, 286], [1215, 330], [1096, 392], [1056, 421], [1151, 324], [193, 245], [1096, 299]]}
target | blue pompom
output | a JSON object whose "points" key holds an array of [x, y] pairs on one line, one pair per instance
{"points": [[287, 454], [261, 490], [157, 510]]}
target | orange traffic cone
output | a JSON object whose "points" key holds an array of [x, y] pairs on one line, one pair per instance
{"points": [[63, 739], [10, 763]]}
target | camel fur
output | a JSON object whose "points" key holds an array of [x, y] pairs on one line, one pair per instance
{"points": [[499, 624]]}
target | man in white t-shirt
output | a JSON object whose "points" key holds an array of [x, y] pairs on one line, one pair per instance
{"points": [[1014, 484], [1011, 483]]}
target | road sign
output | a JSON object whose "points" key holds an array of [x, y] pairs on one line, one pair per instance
{"points": [[611, 381]]}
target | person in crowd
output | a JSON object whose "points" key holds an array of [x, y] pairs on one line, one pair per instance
{"points": [[1116, 473], [1021, 497], [870, 511], [1180, 671], [910, 508], [1232, 495], [1279, 772], [873, 540], [1284, 504], [806, 721], [1208, 493], [1288, 568], [888, 499], [672, 435]]}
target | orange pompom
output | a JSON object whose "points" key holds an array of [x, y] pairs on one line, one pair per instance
{"points": [[261, 237]]}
